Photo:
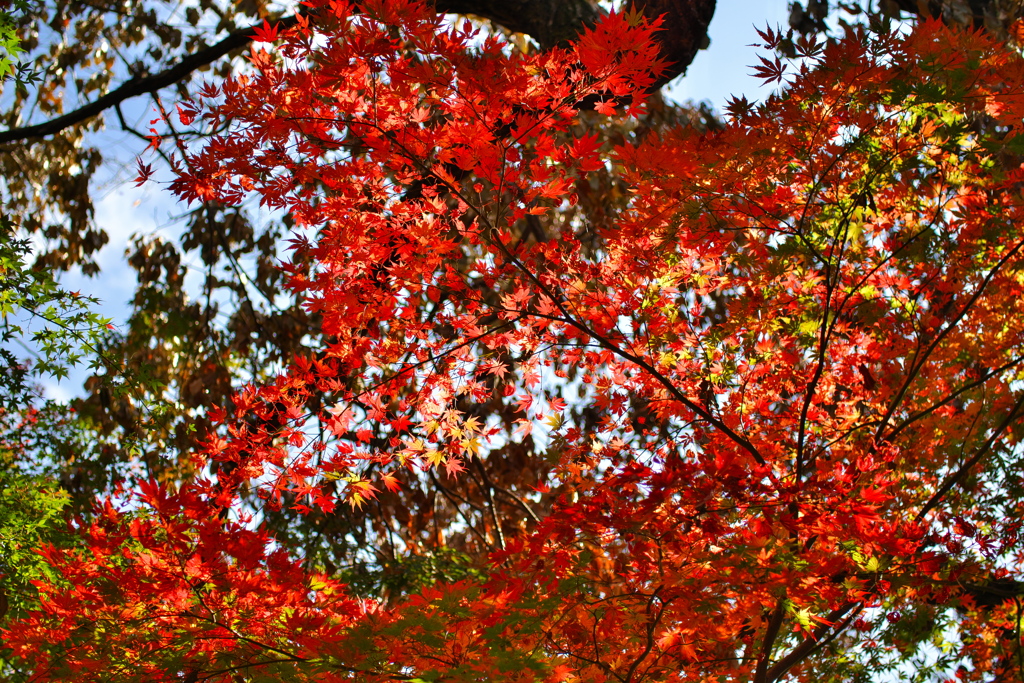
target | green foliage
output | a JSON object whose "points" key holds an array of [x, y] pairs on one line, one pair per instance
{"points": [[30, 516], [61, 323], [10, 45], [32, 506], [411, 573], [10, 48]]}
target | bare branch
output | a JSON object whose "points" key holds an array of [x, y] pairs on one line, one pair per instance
{"points": [[140, 86]]}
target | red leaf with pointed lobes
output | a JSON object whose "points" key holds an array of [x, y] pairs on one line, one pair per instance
{"points": [[265, 33], [453, 466], [145, 172]]}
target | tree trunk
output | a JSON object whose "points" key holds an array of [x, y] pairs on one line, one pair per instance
{"points": [[554, 22]]}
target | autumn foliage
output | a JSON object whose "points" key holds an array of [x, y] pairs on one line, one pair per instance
{"points": [[763, 423]]}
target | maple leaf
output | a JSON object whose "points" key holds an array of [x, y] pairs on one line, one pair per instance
{"points": [[265, 33], [770, 71], [360, 491], [471, 425], [453, 466], [391, 482], [771, 38], [605, 107], [738, 107], [145, 172], [523, 427], [496, 368], [401, 424]]}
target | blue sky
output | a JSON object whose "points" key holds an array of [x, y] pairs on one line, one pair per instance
{"points": [[724, 69]]}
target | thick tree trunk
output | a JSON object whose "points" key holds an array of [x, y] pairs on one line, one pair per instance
{"points": [[551, 22], [685, 30]]}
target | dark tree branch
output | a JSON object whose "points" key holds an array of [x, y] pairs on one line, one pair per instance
{"points": [[764, 660], [831, 624], [549, 22], [139, 86], [553, 22], [684, 31], [994, 16], [917, 8]]}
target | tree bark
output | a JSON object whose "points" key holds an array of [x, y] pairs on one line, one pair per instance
{"points": [[555, 22], [549, 22], [684, 30], [994, 16]]}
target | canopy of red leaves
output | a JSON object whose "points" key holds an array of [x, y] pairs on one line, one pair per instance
{"points": [[819, 307]]}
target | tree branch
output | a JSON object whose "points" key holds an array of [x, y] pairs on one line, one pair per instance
{"points": [[771, 633], [549, 22], [140, 86], [957, 477], [832, 621]]}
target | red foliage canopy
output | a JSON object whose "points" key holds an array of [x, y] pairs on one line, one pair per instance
{"points": [[803, 336]]}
